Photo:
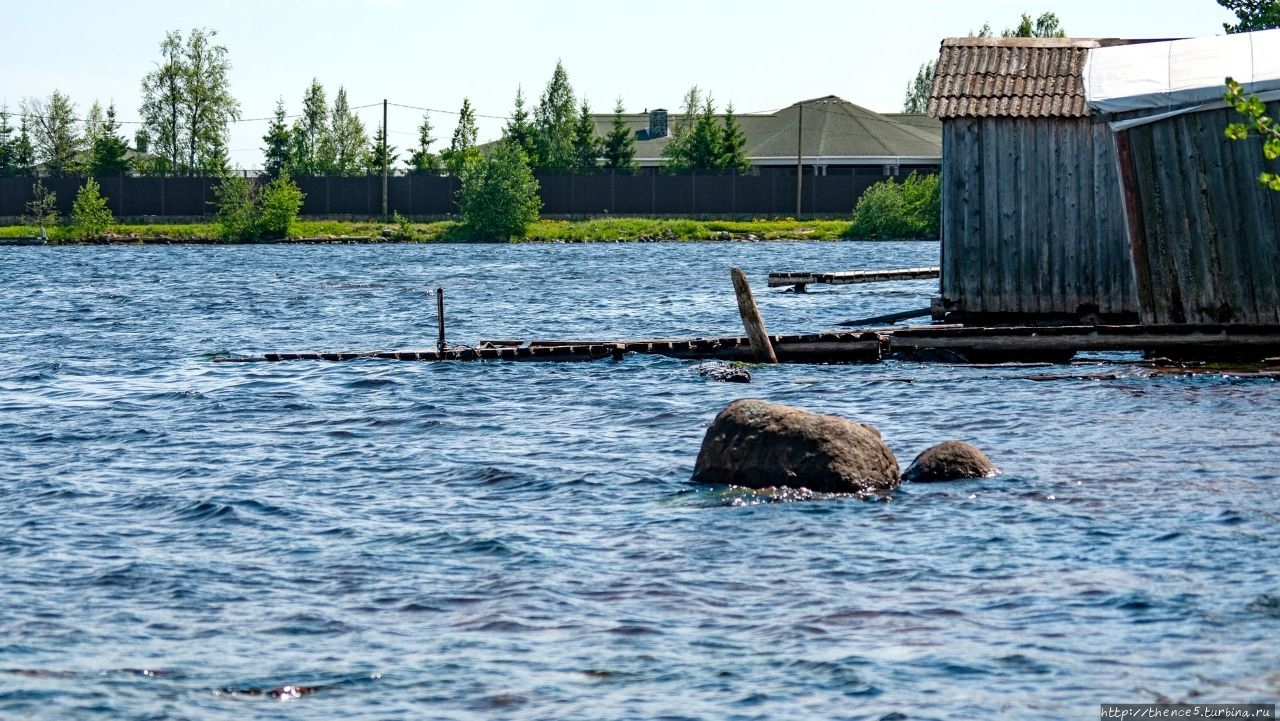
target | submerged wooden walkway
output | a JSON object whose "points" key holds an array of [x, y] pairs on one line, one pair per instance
{"points": [[801, 279], [930, 342]]}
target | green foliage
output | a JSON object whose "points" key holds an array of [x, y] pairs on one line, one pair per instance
{"points": [[917, 99], [8, 144], [24, 151], [310, 133], [422, 161], [698, 141], [619, 148], [462, 151], [404, 225], [499, 196], [42, 209], [1252, 15], [93, 122], [375, 155], [90, 216], [586, 146], [250, 212], [108, 154], [277, 153], [519, 129], [553, 121], [1256, 119], [733, 145], [347, 146], [187, 105], [53, 130], [278, 205], [892, 210], [237, 214], [1045, 26]]}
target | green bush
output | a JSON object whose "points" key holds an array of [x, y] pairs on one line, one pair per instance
{"points": [[250, 212], [892, 210], [278, 206], [42, 211], [90, 216], [499, 195]]}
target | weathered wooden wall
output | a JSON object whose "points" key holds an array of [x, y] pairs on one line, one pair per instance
{"points": [[1205, 233], [1033, 219]]}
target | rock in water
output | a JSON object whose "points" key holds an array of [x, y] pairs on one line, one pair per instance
{"points": [[725, 373], [757, 444], [950, 461]]}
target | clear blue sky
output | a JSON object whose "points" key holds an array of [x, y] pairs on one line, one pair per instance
{"points": [[759, 55]]}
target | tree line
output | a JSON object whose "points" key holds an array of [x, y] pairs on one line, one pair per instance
{"points": [[187, 110]]}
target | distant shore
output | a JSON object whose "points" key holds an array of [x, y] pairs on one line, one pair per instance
{"points": [[597, 230]]}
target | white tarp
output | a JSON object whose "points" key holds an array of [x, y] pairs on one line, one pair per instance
{"points": [[1177, 72]]}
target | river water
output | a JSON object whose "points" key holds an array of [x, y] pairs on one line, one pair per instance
{"points": [[181, 539]]}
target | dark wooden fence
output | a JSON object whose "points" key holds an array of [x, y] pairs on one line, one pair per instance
{"points": [[572, 195]]}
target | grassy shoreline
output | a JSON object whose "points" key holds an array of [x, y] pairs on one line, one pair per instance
{"points": [[543, 231]]}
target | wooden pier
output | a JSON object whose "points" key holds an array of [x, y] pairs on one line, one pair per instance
{"points": [[949, 343], [800, 279]]}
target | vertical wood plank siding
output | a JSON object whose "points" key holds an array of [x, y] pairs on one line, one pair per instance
{"points": [[1033, 221], [1206, 240]]}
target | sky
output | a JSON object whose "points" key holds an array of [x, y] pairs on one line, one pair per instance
{"points": [[429, 55]]}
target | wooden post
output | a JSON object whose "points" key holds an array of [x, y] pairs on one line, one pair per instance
{"points": [[440, 345], [751, 320]]}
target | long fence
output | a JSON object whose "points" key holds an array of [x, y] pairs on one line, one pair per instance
{"points": [[416, 196]]}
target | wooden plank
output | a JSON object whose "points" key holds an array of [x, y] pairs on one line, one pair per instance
{"points": [[1008, 211], [751, 320], [888, 318], [991, 295], [851, 277]]}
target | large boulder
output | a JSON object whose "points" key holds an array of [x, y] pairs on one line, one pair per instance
{"points": [[757, 444], [950, 461]]}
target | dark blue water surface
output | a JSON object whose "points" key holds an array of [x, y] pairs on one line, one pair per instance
{"points": [[179, 539]]}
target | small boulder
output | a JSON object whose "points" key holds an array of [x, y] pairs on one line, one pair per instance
{"points": [[725, 373], [950, 461], [757, 444]]}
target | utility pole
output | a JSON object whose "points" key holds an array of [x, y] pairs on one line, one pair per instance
{"points": [[799, 157], [384, 159]]}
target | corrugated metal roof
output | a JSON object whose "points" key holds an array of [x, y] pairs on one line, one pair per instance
{"points": [[1011, 77]]}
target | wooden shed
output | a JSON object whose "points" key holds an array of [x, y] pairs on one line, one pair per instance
{"points": [[1204, 233], [1033, 222]]}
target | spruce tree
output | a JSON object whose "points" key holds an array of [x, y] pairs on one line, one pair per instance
{"points": [[519, 128], [462, 149], [586, 146], [733, 144], [422, 161], [375, 155], [8, 144], [554, 119], [277, 152], [620, 144], [108, 156], [24, 151]]}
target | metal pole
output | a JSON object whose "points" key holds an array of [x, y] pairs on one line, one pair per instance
{"points": [[440, 317], [799, 158], [384, 159]]}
